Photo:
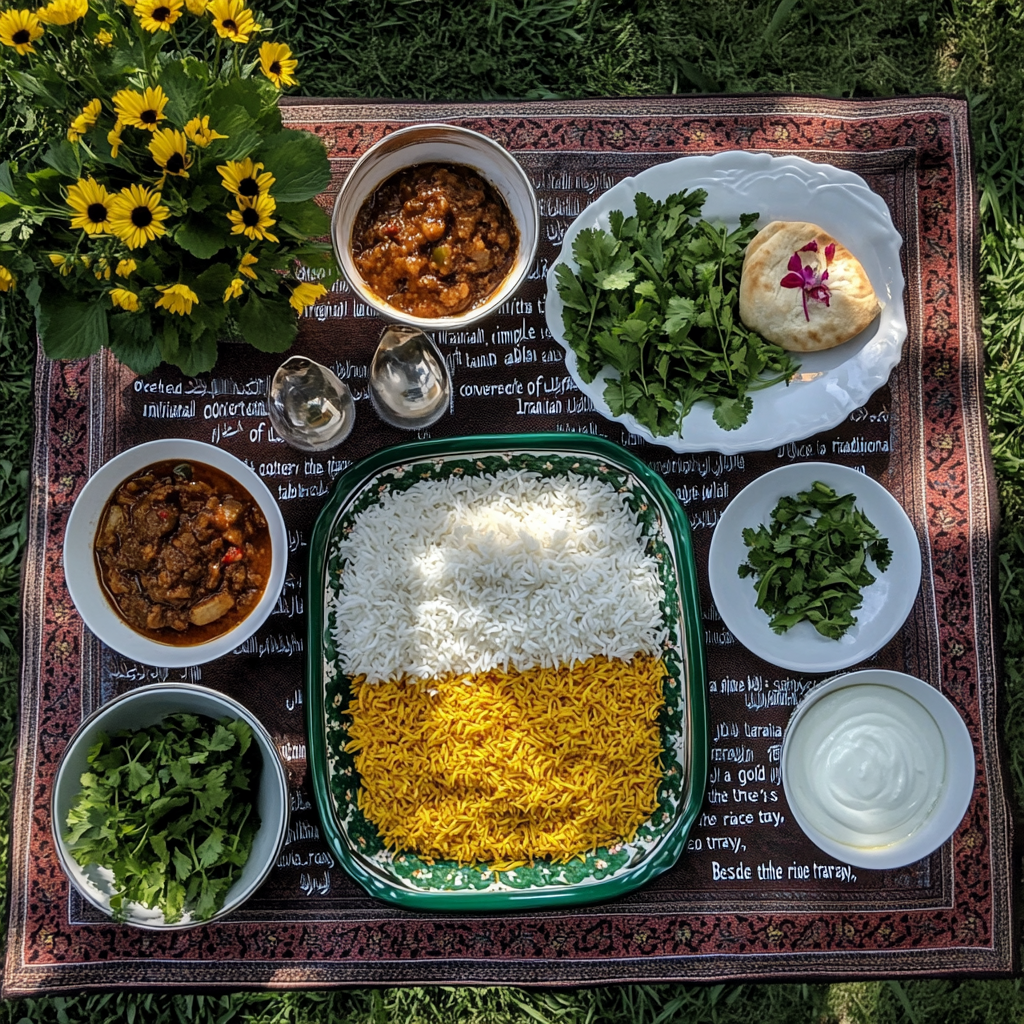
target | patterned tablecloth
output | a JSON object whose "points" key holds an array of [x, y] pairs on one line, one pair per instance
{"points": [[752, 897]]}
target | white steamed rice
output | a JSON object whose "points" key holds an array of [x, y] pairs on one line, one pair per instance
{"points": [[471, 573]]}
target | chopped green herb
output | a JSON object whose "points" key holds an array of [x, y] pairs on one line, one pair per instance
{"points": [[657, 299], [170, 810], [812, 562]]}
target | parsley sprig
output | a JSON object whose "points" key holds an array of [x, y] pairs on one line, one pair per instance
{"points": [[170, 810], [811, 563], [657, 300]]}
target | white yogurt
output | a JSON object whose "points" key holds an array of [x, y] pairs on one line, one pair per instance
{"points": [[866, 765]]}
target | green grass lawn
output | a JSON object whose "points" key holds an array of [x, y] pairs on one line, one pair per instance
{"points": [[534, 49]]}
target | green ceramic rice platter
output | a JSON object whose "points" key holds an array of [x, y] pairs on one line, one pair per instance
{"points": [[405, 878]]}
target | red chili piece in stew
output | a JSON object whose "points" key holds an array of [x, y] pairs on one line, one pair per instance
{"points": [[183, 552], [434, 240]]}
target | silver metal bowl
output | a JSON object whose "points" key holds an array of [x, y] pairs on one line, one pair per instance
{"points": [[443, 144]]}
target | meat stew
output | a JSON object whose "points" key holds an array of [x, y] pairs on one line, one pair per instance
{"points": [[182, 552], [434, 240]]}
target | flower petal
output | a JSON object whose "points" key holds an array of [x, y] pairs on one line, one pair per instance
{"points": [[792, 281], [795, 264], [811, 246], [830, 251]]}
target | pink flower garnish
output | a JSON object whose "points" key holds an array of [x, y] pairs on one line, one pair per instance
{"points": [[807, 279]]}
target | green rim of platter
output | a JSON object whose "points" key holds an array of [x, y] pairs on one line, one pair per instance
{"points": [[402, 878]]}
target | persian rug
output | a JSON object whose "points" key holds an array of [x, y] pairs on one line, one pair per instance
{"points": [[751, 898]]}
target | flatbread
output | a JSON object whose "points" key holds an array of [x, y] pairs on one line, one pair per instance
{"points": [[777, 313]]}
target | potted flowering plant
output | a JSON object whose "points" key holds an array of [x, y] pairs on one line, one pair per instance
{"points": [[173, 209]]}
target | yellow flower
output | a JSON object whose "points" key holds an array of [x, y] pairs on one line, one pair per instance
{"points": [[232, 20], [63, 12], [141, 110], [277, 64], [103, 37], [169, 150], [125, 268], [252, 218], [114, 138], [304, 295], [234, 289], [248, 260], [136, 216], [85, 120], [122, 298], [20, 29], [176, 298], [197, 7], [7, 281], [86, 261], [102, 271], [158, 15], [243, 178], [200, 133], [62, 263], [93, 205]]}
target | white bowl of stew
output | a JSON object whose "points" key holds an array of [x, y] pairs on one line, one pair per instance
{"points": [[436, 226], [175, 553]]}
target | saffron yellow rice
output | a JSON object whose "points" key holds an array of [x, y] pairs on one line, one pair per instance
{"points": [[503, 767]]}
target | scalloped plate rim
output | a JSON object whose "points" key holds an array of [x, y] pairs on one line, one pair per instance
{"points": [[835, 392]]}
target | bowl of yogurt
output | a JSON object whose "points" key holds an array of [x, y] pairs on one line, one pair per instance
{"points": [[878, 768]]}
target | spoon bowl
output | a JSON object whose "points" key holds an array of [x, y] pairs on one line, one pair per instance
{"points": [[409, 383], [309, 406]]}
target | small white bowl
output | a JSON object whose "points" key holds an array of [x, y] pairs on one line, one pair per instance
{"points": [[80, 563], [885, 604], [882, 750], [437, 144], [147, 706]]}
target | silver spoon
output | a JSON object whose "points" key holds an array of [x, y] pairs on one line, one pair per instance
{"points": [[409, 383], [309, 406]]}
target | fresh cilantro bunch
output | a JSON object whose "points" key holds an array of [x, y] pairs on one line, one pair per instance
{"points": [[657, 300], [171, 811], [811, 563]]}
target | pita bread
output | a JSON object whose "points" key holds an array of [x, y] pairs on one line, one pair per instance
{"points": [[777, 312]]}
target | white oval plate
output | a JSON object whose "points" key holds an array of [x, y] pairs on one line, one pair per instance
{"points": [[886, 603], [90, 597], [958, 782], [830, 384]]}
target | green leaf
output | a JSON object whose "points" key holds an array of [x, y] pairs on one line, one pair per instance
{"points": [[203, 236], [196, 355], [298, 161], [208, 318], [138, 776], [64, 158], [200, 198], [183, 864], [307, 219], [211, 848], [212, 282], [267, 324], [70, 329], [234, 121], [570, 289], [732, 413], [7, 182], [615, 279], [51, 91], [169, 341], [184, 94], [624, 357]]}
